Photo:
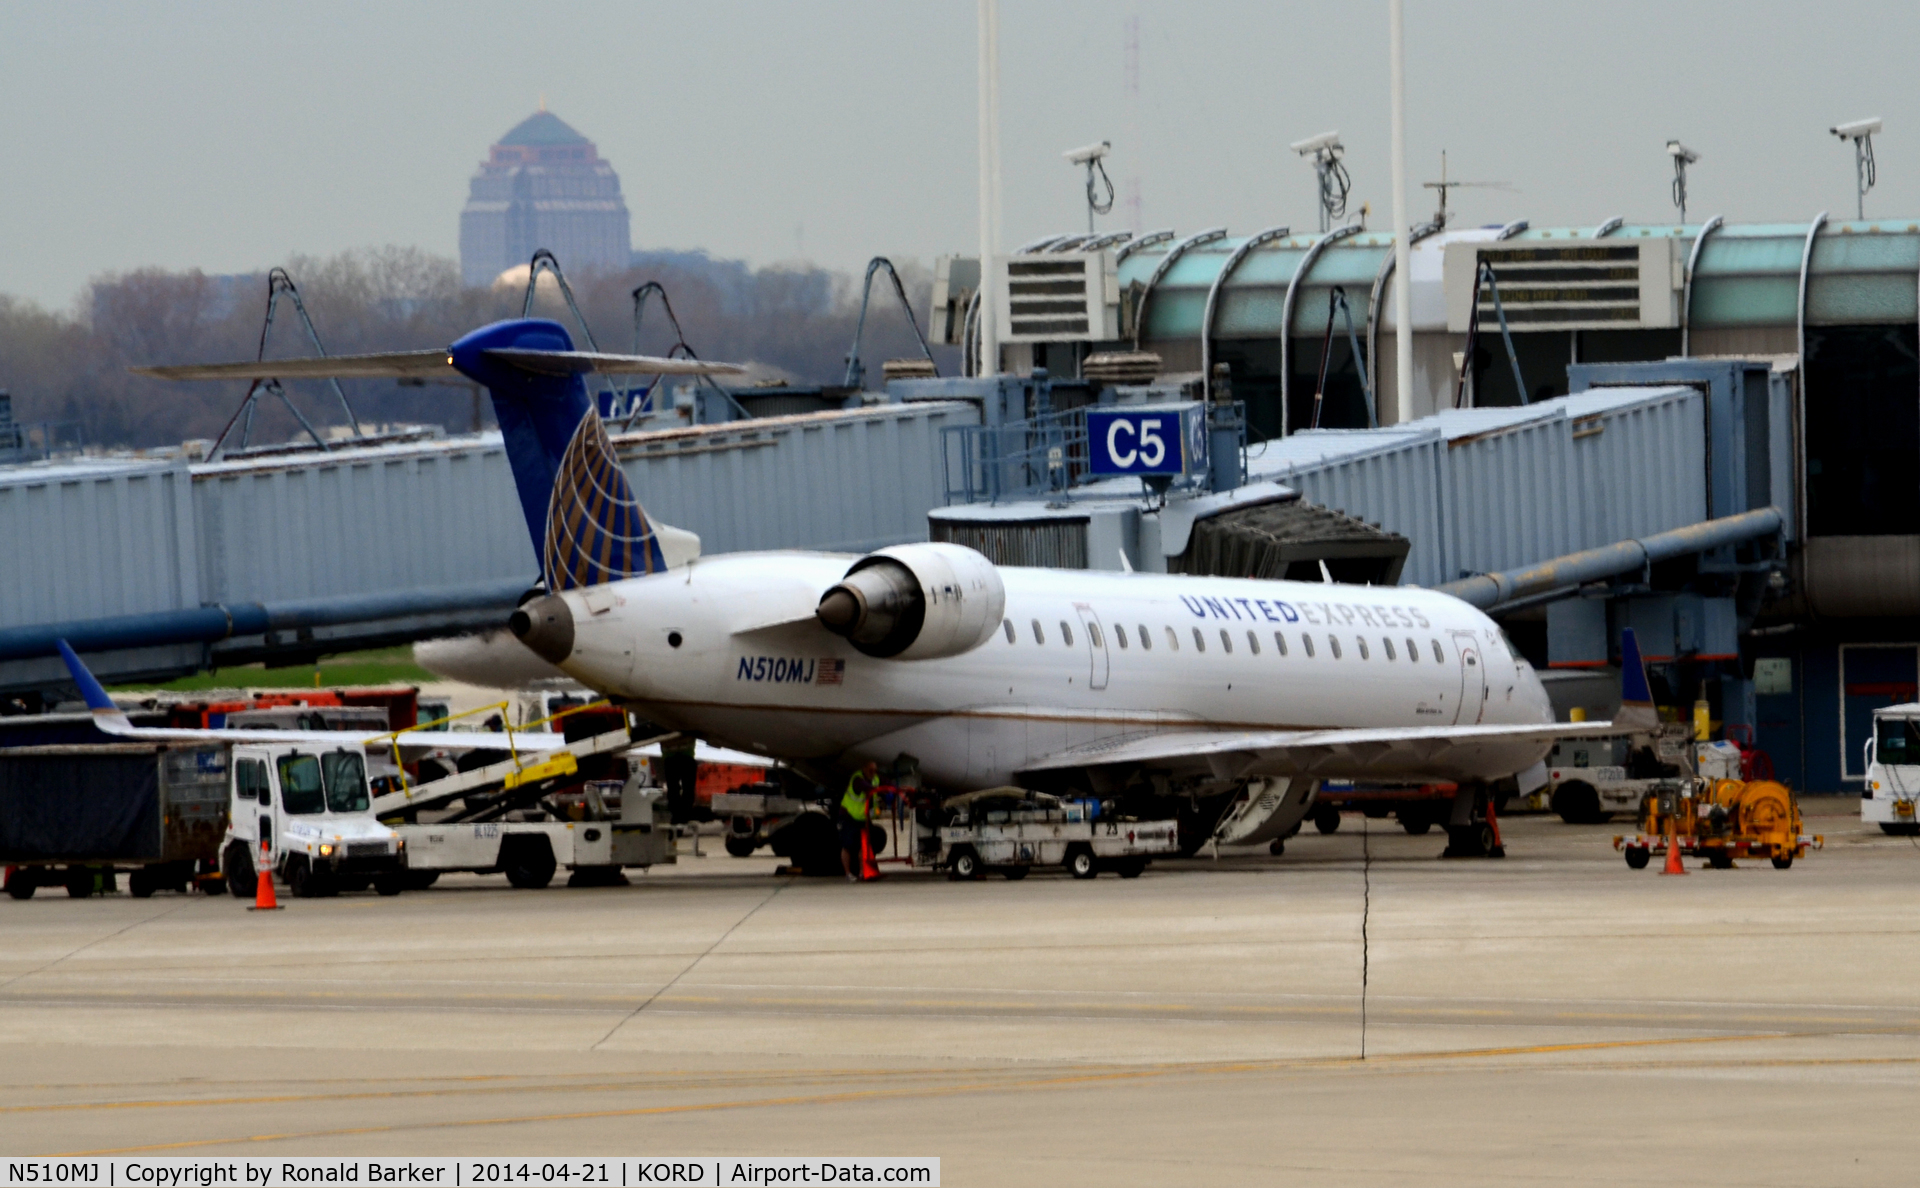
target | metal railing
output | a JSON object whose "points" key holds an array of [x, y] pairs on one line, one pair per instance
{"points": [[1044, 456]]}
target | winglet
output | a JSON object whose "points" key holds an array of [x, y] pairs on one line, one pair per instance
{"points": [[109, 714], [1636, 696]]}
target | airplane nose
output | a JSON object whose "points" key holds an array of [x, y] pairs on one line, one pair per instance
{"points": [[545, 625]]}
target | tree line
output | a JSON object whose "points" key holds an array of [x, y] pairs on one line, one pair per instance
{"points": [[787, 323]]}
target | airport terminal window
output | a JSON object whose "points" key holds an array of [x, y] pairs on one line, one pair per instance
{"points": [[1199, 641], [1038, 636], [1253, 643], [1388, 644], [1280, 642], [1362, 640], [1333, 645], [300, 787], [1146, 640], [1007, 625], [345, 774], [1306, 641], [1226, 642], [1413, 651], [1173, 640], [1066, 633], [1438, 656]]}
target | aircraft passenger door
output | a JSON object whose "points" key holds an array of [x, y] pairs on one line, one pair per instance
{"points": [[1473, 680], [1096, 633]]}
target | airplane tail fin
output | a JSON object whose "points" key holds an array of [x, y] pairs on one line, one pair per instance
{"points": [[110, 716], [1636, 696], [586, 526]]}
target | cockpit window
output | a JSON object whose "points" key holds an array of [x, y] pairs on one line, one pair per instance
{"points": [[300, 790], [346, 777], [1897, 741]]}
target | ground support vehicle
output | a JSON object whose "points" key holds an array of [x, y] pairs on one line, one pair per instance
{"points": [[73, 815], [583, 807], [303, 812], [1589, 780], [619, 826], [1011, 831], [1719, 820], [1893, 771]]}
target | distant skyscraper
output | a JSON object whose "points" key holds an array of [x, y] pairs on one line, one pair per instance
{"points": [[543, 186]]}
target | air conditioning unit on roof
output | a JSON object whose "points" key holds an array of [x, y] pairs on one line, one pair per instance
{"points": [[1575, 284], [1057, 297]]}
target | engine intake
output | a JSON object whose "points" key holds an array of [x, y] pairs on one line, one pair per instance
{"points": [[916, 602]]}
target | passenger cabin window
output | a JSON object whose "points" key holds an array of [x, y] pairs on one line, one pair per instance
{"points": [[1120, 636], [1093, 633], [1066, 633], [1333, 645], [1897, 742], [345, 775], [300, 786], [1173, 640], [1438, 657], [1226, 642], [1306, 641], [1199, 641], [1146, 639], [1362, 641], [1388, 645], [1007, 626], [1280, 642], [1253, 643], [1413, 651], [1038, 636]]}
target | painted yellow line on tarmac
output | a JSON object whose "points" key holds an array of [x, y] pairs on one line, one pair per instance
{"points": [[1410, 1061]]}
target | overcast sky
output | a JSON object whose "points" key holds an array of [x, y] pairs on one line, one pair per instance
{"points": [[227, 136]]}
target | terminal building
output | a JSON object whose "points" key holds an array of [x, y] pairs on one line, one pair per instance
{"points": [[1740, 403], [543, 186]]}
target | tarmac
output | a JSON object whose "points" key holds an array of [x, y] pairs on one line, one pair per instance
{"points": [[1550, 1017]]}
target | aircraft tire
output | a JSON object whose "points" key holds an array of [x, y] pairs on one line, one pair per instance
{"points": [[1326, 818]]}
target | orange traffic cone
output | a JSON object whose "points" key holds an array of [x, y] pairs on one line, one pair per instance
{"points": [[1673, 854], [868, 868], [263, 900]]}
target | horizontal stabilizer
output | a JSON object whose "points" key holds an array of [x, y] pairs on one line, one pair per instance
{"points": [[583, 362]]}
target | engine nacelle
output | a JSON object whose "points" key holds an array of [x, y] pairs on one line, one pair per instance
{"points": [[916, 602]]}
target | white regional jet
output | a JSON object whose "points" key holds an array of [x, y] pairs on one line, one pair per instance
{"points": [[1121, 684]]}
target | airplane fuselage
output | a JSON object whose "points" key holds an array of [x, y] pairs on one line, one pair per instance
{"points": [[1081, 657]]}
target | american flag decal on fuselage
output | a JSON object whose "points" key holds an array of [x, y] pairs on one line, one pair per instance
{"points": [[596, 530], [832, 672]]}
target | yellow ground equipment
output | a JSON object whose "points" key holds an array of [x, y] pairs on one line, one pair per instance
{"points": [[1719, 820]]}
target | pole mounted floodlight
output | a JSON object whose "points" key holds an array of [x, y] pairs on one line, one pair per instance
{"points": [[1861, 133], [1682, 157], [1094, 156], [1325, 151]]}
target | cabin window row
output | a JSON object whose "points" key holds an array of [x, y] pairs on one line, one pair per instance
{"points": [[1388, 648]]}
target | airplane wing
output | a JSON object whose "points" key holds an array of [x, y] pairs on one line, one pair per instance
{"points": [[1394, 753], [435, 364], [108, 718]]}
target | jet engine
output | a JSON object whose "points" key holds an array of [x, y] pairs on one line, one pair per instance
{"points": [[916, 602]]}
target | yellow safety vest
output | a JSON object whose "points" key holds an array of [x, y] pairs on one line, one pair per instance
{"points": [[854, 800]]}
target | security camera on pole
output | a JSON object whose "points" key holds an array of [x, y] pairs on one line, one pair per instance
{"points": [[1093, 156], [1861, 133], [1325, 151], [1682, 157]]}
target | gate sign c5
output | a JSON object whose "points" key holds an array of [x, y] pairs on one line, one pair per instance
{"points": [[1164, 440]]}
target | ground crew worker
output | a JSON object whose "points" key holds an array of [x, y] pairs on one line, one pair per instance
{"points": [[678, 771], [855, 804]]}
